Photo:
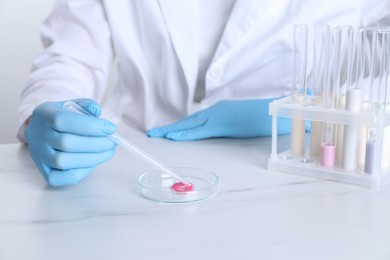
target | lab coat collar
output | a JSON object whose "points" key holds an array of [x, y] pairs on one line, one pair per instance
{"points": [[181, 18]]}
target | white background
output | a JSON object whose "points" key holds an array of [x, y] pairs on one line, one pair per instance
{"points": [[20, 22]]}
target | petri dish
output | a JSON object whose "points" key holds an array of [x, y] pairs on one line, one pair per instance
{"points": [[156, 185]]}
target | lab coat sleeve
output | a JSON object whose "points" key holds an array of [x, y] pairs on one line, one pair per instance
{"points": [[75, 61]]}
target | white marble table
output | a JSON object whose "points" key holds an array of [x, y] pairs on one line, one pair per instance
{"points": [[256, 214]]}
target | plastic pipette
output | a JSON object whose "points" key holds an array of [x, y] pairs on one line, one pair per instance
{"points": [[118, 139]]}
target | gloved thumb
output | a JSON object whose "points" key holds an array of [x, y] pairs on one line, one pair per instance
{"points": [[90, 105]]}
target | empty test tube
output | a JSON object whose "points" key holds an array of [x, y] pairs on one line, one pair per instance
{"points": [[365, 79], [345, 69]]}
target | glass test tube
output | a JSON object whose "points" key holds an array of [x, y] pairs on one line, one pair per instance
{"points": [[345, 67], [328, 145], [385, 163], [345, 64], [369, 161], [365, 83], [353, 102], [378, 96], [321, 46], [299, 87]]}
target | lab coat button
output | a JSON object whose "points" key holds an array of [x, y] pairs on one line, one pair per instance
{"points": [[216, 72]]}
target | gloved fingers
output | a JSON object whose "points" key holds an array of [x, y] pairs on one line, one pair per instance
{"points": [[65, 161], [53, 115], [71, 122], [79, 144], [191, 134], [190, 122], [90, 105], [58, 178]]}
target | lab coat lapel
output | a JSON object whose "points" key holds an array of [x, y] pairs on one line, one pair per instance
{"points": [[246, 17], [182, 22]]}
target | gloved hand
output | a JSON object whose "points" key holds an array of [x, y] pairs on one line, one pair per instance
{"points": [[66, 145], [239, 119]]}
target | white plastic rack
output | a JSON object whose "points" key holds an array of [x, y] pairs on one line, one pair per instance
{"points": [[309, 109]]}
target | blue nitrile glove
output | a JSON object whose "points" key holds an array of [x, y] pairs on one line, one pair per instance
{"points": [[238, 119], [66, 145]]}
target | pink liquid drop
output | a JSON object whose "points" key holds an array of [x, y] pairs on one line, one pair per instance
{"points": [[182, 187]]}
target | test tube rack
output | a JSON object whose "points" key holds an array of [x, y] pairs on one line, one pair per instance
{"points": [[310, 110]]}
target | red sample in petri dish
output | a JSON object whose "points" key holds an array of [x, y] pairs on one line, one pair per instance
{"points": [[182, 187]]}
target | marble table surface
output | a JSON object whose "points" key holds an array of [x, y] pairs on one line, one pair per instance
{"points": [[255, 215]]}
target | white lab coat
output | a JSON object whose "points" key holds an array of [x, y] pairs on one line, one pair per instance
{"points": [[155, 46]]}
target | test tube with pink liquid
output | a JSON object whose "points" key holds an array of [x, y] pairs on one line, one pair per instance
{"points": [[328, 143]]}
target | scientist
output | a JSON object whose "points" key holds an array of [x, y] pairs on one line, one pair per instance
{"points": [[187, 70]]}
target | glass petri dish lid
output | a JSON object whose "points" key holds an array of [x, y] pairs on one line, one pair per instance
{"points": [[157, 185]]}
